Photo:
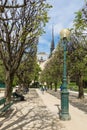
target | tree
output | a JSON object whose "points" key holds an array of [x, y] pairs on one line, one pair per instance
{"points": [[77, 58], [77, 61], [25, 72], [52, 73], [28, 71], [2, 73], [21, 23], [77, 49]]}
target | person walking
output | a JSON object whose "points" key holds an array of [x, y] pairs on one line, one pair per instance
{"points": [[42, 89], [61, 87]]}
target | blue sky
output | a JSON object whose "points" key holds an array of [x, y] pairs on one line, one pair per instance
{"points": [[61, 16]]}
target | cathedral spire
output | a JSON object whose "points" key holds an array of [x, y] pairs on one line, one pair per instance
{"points": [[52, 42]]}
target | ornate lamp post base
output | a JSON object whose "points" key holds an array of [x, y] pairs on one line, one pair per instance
{"points": [[65, 117], [64, 114]]}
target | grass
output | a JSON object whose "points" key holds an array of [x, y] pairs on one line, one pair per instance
{"points": [[72, 86]]}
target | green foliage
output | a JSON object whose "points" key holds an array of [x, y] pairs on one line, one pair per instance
{"points": [[52, 72], [72, 86], [77, 51], [15, 81], [78, 22], [85, 90], [28, 70], [20, 27]]}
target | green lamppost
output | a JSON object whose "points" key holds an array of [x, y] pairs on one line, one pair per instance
{"points": [[64, 114]]}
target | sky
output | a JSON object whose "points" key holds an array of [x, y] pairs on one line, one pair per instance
{"points": [[61, 16]]}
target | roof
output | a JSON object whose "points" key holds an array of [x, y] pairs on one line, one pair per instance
{"points": [[42, 53]]}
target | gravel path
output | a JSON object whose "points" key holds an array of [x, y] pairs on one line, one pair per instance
{"points": [[73, 99], [31, 114]]}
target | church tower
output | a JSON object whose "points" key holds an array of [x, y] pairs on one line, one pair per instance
{"points": [[52, 42]]}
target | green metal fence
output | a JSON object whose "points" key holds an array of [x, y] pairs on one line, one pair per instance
{"points": [[2, 85]]}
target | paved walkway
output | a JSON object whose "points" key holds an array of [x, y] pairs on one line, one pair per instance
{"points": [[31, 114], [40, 112], [81, 104], [78, 118]]}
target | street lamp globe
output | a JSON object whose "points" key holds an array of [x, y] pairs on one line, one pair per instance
{"points": [[65, 33]]}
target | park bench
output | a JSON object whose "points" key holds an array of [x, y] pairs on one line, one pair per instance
{"points": [[4, 106]]}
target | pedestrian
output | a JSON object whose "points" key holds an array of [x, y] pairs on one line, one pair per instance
{"points": [[46, 88], [61, 87], [17, 95], [42, 89]]}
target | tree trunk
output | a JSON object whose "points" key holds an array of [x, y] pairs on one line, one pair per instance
{"points": [[8, 82], [51, 86], [48, 86], [81, 91], [55, 87]]}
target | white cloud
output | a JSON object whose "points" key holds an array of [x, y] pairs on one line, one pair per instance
{"points": [[44, 41], [62, 14], [44, 45], [63, 11], [57, 28]]}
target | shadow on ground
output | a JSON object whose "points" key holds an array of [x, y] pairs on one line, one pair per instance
{"points": [[73, 99], [30, 115]]}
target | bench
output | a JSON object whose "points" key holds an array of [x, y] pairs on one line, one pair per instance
{"points": [[3, 106]]}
